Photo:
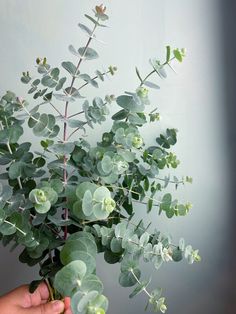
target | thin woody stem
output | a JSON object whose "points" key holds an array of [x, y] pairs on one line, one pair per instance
{"points": [[94, 78], [154, 71], [139, 282], [65, 123], [75, 114]]}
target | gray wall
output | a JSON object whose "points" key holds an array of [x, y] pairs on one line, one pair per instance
{"points": [[192, 101]]}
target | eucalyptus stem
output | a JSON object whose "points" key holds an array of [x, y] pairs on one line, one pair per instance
{"points": [[94, 78], [50, 289], [13, 225], [66, 214], [18, 178], [134, 192], [139, 282], [154, 71], [75, 114], [54, 107], [170, 181], [77, 129]]}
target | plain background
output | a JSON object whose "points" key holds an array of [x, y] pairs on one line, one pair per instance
{"points": [[198, 101]]}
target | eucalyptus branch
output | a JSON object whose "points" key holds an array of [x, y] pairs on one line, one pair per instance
{"points": [[49, 102], [134, 192], [18, 178], [36, 120], [75, 114], [94, 78], [54, 107], [66, 117], [53, 230], [154, 71], [144, 203], [49, 289], [76, 130], [13, 225], [95, 187], [170, 181], [10, 151], [139, 282]]}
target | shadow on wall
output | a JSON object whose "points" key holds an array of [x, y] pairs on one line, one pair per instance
{"points": [[219, 295], [228, 11]]}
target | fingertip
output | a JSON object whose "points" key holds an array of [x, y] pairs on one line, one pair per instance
{"points": [[58, 306], [43, 290], [67, 302]]}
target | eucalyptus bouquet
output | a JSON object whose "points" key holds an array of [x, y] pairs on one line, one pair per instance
{"points": [[70, 201]]}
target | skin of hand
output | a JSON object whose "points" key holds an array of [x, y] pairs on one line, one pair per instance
{"points": [[21, 301]]}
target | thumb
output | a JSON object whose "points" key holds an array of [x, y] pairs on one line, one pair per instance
{"points": [[54, 307]]}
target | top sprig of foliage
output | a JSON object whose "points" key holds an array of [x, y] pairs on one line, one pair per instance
{"points": [[70, 201]]}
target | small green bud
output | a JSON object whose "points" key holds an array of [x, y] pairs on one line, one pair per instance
{"points": [[189, 179], [154, 117], [109, 204], [112, 69], [142, 92], [183, 52], [196, 256], [163, 308], [188, 206], [107, 137], [137, 141], [121, 166], [37, 196], [93, 310], [110, 98], [38, 60]]}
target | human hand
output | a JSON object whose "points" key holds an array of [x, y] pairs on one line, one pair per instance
{"points": [[21, 301]]}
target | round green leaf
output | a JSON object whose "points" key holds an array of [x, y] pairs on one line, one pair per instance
{"points": [[7, 228], [116, 245], [177, 255], [87, 203], [81, 234], [100, 303], [88, 53], [130, 103], [91, 283], [101, 193], [127, 279], [83, 187], [68, 280], [50, 194], [69, 247], [69, 66], [99, 213], [42, 208], [83, 256], [106, 164], [143, 285], [80, 302]]}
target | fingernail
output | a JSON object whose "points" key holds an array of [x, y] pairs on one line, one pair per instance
{"points": [[58, 306]]}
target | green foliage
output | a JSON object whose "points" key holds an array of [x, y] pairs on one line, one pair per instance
{"points": [[70, 201]]}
